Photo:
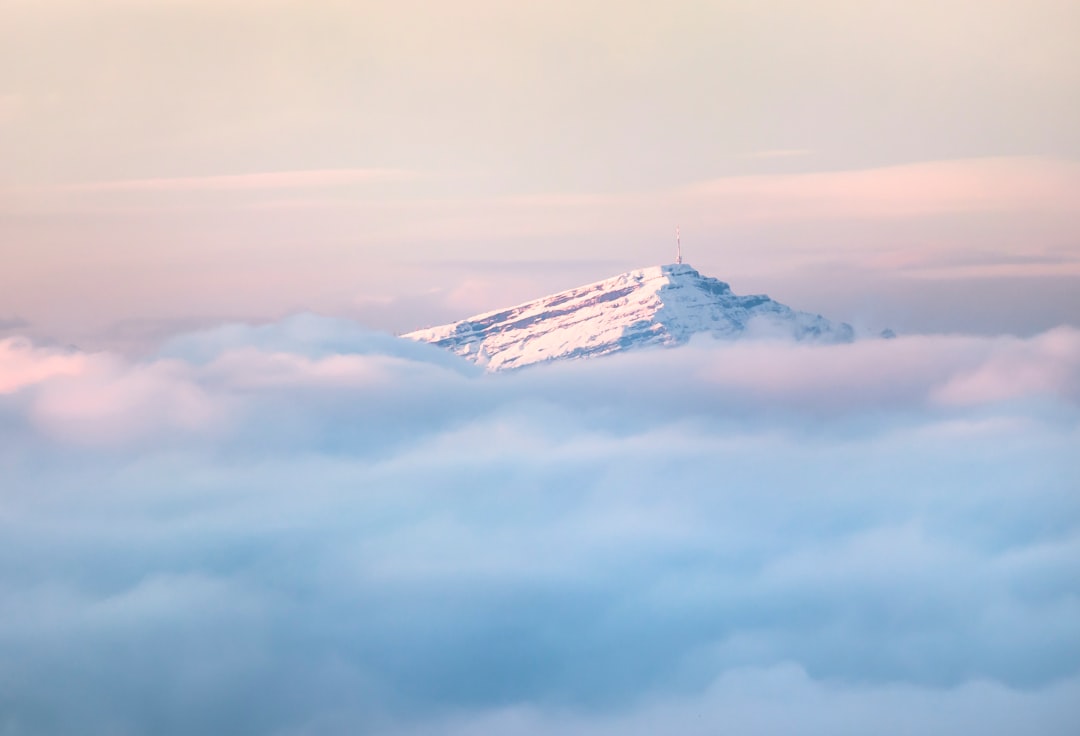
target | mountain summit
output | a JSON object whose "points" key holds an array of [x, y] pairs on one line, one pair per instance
{"points": [[659, 305]]}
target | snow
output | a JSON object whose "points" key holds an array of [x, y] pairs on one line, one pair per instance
{"points": [[655, 306]]}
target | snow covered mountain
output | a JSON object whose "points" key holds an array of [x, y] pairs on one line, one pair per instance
{"points": [[659, 305]]}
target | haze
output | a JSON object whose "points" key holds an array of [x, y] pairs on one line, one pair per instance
{"points": [[170, 164]]}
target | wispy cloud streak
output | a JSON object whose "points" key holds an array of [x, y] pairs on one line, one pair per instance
{"points": [[304, 179]]}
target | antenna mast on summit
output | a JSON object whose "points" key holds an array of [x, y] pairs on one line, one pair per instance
{"points": [[678, 246]]}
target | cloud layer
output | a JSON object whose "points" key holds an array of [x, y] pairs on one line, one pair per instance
{"points": [[305, 527]]}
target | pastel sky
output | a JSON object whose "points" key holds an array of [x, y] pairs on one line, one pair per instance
{"points": [[169, 164]]}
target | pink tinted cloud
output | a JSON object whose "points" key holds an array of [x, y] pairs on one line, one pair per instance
{"points": [[112, 402], [946, 370], [479, 293], [102, 400], [1008, 184], [309, 179], [966, 185], [778, 153], [1048, 364], [252, 369], [1027, 187], [22, 364]]}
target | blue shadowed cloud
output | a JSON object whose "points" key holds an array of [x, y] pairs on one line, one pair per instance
{"points": [[305, 527]]}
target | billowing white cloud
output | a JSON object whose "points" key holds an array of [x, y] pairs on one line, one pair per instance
{"points": [[112, 403], [305, 527]]}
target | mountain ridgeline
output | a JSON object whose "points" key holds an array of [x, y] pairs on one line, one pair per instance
{"points": [[655, 306]]}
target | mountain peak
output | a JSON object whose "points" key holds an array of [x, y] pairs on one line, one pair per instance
{"points": [[653, 306]]}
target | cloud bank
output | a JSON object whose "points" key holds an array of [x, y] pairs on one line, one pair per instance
{"points": [[306, 527]]}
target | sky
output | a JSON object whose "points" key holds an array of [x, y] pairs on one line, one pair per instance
{"points": [[172, 164], [233, 501]]}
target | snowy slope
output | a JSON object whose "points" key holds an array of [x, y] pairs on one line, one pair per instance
{"points": [[659, 305]]}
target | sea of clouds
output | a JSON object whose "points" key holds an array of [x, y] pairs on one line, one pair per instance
{"points": [[309, 528]]}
